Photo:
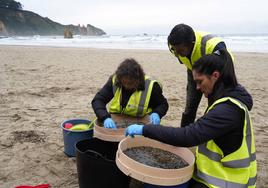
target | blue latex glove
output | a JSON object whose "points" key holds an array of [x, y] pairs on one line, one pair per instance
{"points": [[133, 130], [155, 119], [109, 123]]}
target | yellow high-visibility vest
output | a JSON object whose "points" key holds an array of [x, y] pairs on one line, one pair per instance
{"points": [[235, 170], [204, 44], [138, 103]]}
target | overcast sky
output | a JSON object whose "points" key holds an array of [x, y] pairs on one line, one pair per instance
{"points": [[157, 16]]}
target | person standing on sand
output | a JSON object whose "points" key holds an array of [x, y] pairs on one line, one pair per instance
{"points": [[188, 46], [130, 92], [225, 156]]}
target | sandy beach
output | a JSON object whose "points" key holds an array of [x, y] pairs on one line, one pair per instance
{"points": [[42, 86]]}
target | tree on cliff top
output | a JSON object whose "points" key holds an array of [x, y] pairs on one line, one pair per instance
{"points": [[10, 4]]}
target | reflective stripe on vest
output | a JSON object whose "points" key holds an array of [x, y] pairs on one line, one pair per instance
{"points": [[204, 43], [222, 183], [241, 163], [143, 100], [224, 169]]}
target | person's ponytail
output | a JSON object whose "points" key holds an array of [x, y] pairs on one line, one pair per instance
{"points": [[228, 72]]}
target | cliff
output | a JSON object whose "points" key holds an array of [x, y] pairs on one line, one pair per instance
{"points": [[23, 23]]}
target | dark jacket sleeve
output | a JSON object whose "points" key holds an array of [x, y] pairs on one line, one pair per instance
{"points": [[219, 46], [223, 124], [101, 99], [158, 102]]}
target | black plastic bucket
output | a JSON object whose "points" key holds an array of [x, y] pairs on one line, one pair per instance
{"points": [[96, 167]]}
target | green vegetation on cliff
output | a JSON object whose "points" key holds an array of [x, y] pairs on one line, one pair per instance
{"points": [[11, 4]]}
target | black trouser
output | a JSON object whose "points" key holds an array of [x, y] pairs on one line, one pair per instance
{"points": [[193, 98]]}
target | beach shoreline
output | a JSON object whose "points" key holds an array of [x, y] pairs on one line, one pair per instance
{"points": [[42, 86]]}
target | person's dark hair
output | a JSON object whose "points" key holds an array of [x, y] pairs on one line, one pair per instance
{"points": [[220, 61], [130, 68], [181, 34]]}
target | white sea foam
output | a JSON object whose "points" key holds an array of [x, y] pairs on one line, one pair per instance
{"points": [[240, 43]]}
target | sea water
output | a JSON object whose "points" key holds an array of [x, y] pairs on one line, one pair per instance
{"points": [[237, 42]]}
